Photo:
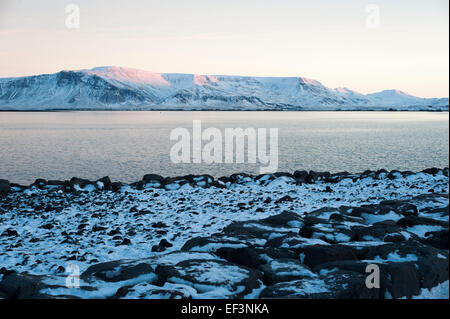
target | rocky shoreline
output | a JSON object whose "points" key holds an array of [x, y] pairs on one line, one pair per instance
{"points": [[76, 184], [300, 235]]}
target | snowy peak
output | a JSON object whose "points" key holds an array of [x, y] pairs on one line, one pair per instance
{"points": [[113, 87], [128, 75]]}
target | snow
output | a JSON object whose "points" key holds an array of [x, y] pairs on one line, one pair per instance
{"points": [[372, 219], [441, 291], [421, 230], [215, 209]]}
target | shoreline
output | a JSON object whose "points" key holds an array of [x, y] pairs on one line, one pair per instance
{"points": [[268, 236], [206, 180]]}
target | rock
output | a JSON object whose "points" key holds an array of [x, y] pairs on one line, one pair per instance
{"points": [[301, 176], [158, 248], [159, 225], [115, 271], [104, 183], [437, 239], [211, 244], [4, 186], [125, 241], [98, 228], [78, 182], [246, 256], [394, 238], [165, 243], [215, 277], [431, 171], [410, 221], [334, 285], [152, 178], [283, 199], [279, 270], [47, 226], [40, 183], [285, 219], [394, 174], [432, 264], [122, 292], [330, 232], [319, 254], [10, 232], [397, 279], [116, 186], [403, 207], [377, 231], [20, 286], [55, 183]]}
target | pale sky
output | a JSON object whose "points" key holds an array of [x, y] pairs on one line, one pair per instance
{"points": [[326, 40]]}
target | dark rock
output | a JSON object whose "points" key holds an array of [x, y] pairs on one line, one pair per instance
{"points": [[10, 232], [403, 207], [431, 171], [397, 279], [335, 285], [116, 186], [410, 221], [279, 270], [214, 243], [4, 186], [378, 230], [40, 183], [319, 254], [152, 177], [301, 176], [20, 286], [159, 225], [283, 199], [125, 241], [437, 239], [105, 181], [115, 271], [79, 181], [394, 174], [165, 243], [55, 183], [246, 256], [47, 226], [203, 273], [432, 264]]}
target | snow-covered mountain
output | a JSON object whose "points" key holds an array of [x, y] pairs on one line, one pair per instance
{"points": [[126, 88]]}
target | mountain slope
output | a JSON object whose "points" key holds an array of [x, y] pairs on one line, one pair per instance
{"points": [[126, 88]]}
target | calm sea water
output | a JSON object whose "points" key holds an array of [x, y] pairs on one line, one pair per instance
{"points": [[127, 145]]}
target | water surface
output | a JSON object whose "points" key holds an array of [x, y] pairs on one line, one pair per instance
{"points": [[127, 145]]}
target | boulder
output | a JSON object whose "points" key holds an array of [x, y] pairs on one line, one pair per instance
{"points": [[246, 256], [212, 277], [335, 285], [20, 286], [283, 269], [4, 186], [118, 270], [319, 254], [432, 264]]}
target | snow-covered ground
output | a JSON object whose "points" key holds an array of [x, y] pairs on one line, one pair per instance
{"points": [[120, 88], [184, 226]]}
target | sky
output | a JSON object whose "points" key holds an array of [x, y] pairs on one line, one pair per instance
{"points": [[367, 46]]}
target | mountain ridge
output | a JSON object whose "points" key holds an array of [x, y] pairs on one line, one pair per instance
{"points": [[119, 88]]}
